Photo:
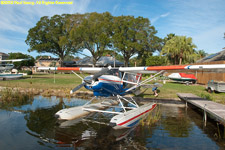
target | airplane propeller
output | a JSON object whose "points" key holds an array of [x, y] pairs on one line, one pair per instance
{"points": [[90, 79], [77, 88], [100, 73]]}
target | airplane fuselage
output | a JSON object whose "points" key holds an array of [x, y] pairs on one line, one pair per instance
{"points": [[112, 84], [107, 85]]}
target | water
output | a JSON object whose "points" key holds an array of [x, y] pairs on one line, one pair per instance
{"points": [[33, 126]]}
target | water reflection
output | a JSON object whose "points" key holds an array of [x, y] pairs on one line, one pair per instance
{"points": [[177, 126], [175, 130]]}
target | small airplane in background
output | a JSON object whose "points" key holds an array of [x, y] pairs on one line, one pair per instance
{"points": [[5, 66], [118, 83]]}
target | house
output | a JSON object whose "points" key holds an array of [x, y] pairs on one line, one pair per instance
{"points": [[69, 64], [204, 76], [220, 56], [47, 62], [3, 56], [104, 61]]}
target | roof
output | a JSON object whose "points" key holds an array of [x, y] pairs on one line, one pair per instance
{"points": [[220, 56], [103, 61], [48, 59], [4, 54]]}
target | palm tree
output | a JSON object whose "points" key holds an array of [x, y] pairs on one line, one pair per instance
{"points": [[179, 49], [201, 54]]}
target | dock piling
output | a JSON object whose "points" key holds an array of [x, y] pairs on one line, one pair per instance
{"points": [[214, 110], [205, 116]]}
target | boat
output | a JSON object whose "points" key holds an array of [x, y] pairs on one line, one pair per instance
{"points": [[183, 77]]}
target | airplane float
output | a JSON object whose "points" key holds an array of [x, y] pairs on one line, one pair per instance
{"points": [[117, 83]]}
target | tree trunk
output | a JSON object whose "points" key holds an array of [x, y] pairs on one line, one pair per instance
{"points": [[126, 62], [94, 61], [180, 62], [61, 61]]}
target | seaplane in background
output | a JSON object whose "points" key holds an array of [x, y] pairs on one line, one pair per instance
{"points": [[6, 66], [118, 83], [183, 78]]}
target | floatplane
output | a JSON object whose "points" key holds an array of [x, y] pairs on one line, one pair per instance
{"points": [[5, 66], [118, 83]]}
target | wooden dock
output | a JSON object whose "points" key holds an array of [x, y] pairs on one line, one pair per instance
{"points": [[216, 110]]}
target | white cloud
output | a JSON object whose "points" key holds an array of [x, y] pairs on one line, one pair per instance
{"points": [[161, 16], [197, 16], [115, 8], [165, 15], [203, 20], [207, 40], [20, 18], [16, 20]]}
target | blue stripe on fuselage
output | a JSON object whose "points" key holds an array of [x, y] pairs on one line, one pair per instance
{"points": [[134, 123], [106, 89]]}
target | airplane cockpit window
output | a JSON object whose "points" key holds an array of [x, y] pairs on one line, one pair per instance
{"points": [[129, 80], [114, 72]]}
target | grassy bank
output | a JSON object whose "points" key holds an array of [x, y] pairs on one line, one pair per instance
{"points": [[13, 98], [68, 81]]}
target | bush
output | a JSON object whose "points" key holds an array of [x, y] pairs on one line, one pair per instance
{"points": [[206, 96], [26, 71]]}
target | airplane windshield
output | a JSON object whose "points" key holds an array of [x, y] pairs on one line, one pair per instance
{"points": [[114, 72]]}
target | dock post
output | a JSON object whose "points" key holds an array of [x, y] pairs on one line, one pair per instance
{"points": [[186, 102], [205, 116], [218, 128]]}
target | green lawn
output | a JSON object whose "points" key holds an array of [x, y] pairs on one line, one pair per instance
{"points": [[170, 89], [69, 81], [44, 81]]}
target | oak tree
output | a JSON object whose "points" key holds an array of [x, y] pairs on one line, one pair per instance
{"points": [[50, 35]]}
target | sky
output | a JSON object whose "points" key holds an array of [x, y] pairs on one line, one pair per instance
{"points": [[203, 20]]}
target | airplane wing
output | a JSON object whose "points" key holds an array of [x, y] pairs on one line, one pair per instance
{"points": [[77, 69], [13, 60], [152, 69], [142, 70]]}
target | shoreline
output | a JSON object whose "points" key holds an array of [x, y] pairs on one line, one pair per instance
{"points": [[50, 92], [88, 95]]}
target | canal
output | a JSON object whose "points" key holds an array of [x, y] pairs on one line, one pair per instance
{"points": [[33, 126]]}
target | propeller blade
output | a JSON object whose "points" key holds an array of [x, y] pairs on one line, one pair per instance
{"points": [[98, 74], [77, 88]]}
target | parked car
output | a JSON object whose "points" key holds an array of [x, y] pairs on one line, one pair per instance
{"points": [[215, 86]]}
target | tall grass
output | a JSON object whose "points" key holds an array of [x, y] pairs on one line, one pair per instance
{"points": [[14, 98], [152, 117]]}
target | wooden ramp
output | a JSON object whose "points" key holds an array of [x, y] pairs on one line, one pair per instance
{"points": [[216, 110]]}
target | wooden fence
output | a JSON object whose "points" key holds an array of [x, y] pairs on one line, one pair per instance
{"points": [[204, 76]]}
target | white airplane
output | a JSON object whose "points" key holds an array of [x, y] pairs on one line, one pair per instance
{"points": [[118, 82], [4, 66]]}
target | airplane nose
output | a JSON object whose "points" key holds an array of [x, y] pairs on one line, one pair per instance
{"points": [[56, 116], [112, 124], [88, 79]]}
